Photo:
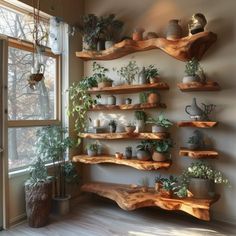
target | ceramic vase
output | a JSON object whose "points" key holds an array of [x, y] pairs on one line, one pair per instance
{"points": [[174, 30]]}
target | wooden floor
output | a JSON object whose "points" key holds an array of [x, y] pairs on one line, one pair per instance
{"points": [[102, 218]]}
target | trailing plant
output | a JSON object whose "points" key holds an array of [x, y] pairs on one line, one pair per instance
{"points": [[192, 66], [151, 72], [128, 72], [112, 123], [200, 170], [140, 115], [92, 146], [162, 146], [160, 121], [38, 173], [51, 145], [143, 97]]}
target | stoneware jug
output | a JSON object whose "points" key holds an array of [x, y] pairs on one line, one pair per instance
{"points": [[194, 110], [174, 30]]}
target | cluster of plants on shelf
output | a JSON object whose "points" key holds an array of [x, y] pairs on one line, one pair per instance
{"points": [[128, 72], [200, 170], [167, 183], [94, 28], [160, 121]]}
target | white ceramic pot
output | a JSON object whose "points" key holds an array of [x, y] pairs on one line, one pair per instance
{"points": [[190, 79]]}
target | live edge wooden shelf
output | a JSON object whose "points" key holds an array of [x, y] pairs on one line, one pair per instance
{"points": [[99, 107], [137, 164], [198, 154], [197, 124], [130, 198], [126, 89], [182, 49], [196, 86], [114, 136]]}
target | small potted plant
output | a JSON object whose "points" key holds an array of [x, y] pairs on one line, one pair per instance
{"points": [[144, 150], [38, 194], [158, 183], [199, 178], [128, 152], [130, 128], [99, 73], [92, 149], [128, 72], [191, 68], [152, 74], [112, 125], [140, 117], [161, 149], [168, 186], [160, 124]]}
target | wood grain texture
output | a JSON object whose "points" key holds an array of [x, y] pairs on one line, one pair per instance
{"points": [[196, 86], [129, 198], [182, 49], [137, 164], [114, 136], [197, 124], [126, 89], [198, 154], [100, 107]]}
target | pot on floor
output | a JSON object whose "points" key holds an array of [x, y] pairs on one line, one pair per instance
{"points": [[61, 205]]}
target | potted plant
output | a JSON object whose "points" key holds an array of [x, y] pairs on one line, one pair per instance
{"points": [[52, 144], [196, 141], [128, 72], [99, 73], [161, 149], [143, 97], [140, 117], [144, 150], [142, 78], [160, 124], [158, 183], [153, 97], [152, 74], [130, 128], [199, 178], [111, 30], [92, 149], [168, 186], [38, 194], [191, 68], [112, 124], [128, 152]]}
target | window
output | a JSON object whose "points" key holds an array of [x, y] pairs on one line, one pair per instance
{"points": [[28, 110]]}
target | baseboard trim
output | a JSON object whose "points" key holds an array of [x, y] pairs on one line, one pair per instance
{"points": [[18, 219]]}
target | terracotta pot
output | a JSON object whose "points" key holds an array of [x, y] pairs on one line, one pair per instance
{"points": [[153, 98], [153, 80], [166, 193], [104, 84], [130, 129], [157, 156], [158, 186], [119, 155]]}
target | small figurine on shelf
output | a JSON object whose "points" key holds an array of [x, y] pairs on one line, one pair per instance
{"points": [[197, 23]]}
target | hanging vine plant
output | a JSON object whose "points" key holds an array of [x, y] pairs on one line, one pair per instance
{"points": [[81, 101]]}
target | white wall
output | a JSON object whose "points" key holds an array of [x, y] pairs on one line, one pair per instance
{"points": [[219, 63]]}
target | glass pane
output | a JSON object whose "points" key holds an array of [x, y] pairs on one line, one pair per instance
{"points": [[19, 25], [23, 102], [21, 146]]}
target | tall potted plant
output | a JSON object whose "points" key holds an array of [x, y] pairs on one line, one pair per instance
{"points": [[140, 117], [51, 145], [38, 194]]}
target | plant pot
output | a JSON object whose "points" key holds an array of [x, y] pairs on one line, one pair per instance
{"points": [[140, 126], [130, 129], [158, 186], [38, 203], [192, 146], [153, 80], [109, 44], [158, 156], [138, 35], [61, 205], [105, 84], [190, 79], [166, 193], [91, 153], [111, 100], [143, 155], [174, 30], [153, 98], [128, 154], [158, 129], [201, 188], [112, 128]]}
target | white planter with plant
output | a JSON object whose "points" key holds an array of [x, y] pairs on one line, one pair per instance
{"points": [[160, 124], [161, 150], [199, 178], [191, 69], [92, 149], [140, 119], [152, 74]]}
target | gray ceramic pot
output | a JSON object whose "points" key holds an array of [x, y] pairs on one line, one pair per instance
{"points": [[190, 79], [174, 30], [143, 155], [61, 206], [192, 146], [201, 188], [158, 129], [142, 79]]}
